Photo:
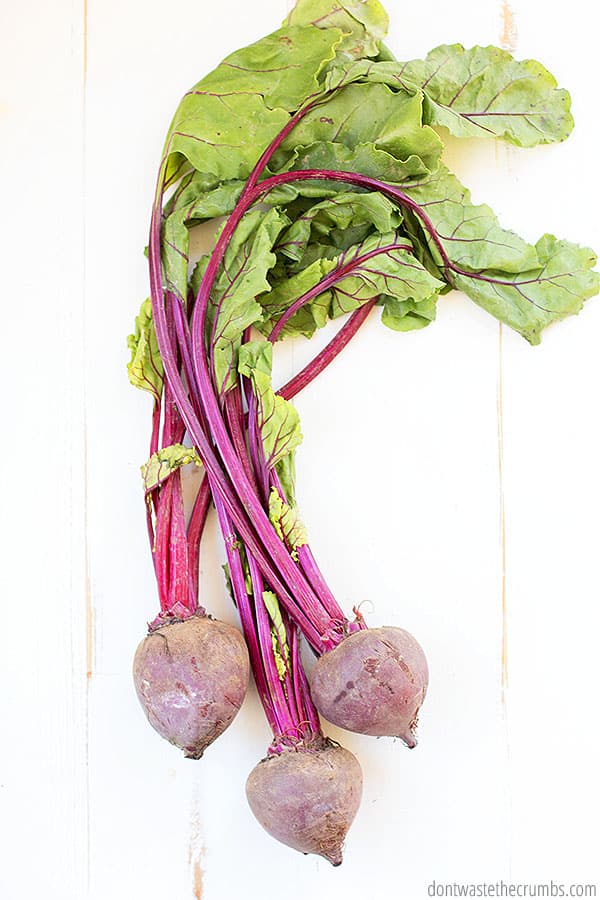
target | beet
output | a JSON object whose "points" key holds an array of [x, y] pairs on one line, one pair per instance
{"points": [[373, 682], [191, 677], [307, 797]]}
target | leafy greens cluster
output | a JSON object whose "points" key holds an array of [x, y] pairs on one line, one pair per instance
{"points": [[375, 116]]}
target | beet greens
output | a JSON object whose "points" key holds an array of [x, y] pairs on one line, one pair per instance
{"points": [[319, 149]]}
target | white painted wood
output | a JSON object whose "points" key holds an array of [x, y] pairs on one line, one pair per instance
{"points": [[43, 746], [414, 446], [551, 491]]}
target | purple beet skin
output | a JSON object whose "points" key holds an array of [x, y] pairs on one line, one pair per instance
{"points": [[373, 682], [191, 677], [307, 798]]}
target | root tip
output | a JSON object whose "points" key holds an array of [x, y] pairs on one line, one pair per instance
{"points": [[192, 753], [409, 740], [334, 857]]}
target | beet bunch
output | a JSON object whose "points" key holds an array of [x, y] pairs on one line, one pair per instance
{"points": [[318, 152]]}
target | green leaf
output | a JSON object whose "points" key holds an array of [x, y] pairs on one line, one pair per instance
{"points": [[286, 520], [395, 273], [312, 315], [364, 22], [278, 421], [364, 158], [221, 135], [286, 472], [220, 201], [284, 194], [480, 92], [162, 463], [226, 120], [145, 368], [367, 71], [525, 286], [282, 67], [190, 187], [332, 218], [242, 277], [368, 114], [470, 234], [529, 301], [408, 315], [278, 634], [192, 204], [484, 92]]}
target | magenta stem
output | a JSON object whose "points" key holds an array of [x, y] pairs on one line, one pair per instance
{"points": [[276, 143], [162, 545], [263, 622], [323, 359], [244, 488], [195, 530], [219, 479], [203, 500], [280, 709], [235, 420], [238, 584], [295, 655], [181, 599], [334, 276]]}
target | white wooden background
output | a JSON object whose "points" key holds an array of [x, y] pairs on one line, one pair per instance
{"points": [[449, 479]]}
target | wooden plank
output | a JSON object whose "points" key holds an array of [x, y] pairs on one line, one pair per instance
{"points": [[551, 490], [43, 797]]}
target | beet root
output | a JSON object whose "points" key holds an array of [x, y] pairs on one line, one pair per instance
{"points": [[307, 798], [373, 682], [191, 677]]}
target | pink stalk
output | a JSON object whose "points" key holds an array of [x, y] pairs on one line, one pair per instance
{"points": [[238, 584], [219, 479], [329, 281], [195, 530], [323, 359]]}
